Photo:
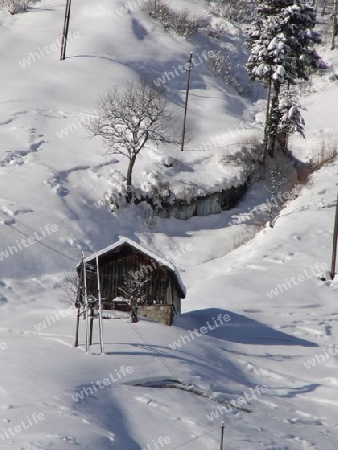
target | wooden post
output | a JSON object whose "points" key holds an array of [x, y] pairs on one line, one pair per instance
{"points": [[91, 325], [78, 301], [335, 237], [334, 24], [100, 303], [76, 342], [65, 31], [222, 435], [186, 101], [86, 305]]}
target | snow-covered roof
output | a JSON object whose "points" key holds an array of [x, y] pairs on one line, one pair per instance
{"points": [[160, 261]]}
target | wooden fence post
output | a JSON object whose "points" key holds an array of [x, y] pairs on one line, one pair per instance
{"points": [[91, 325], [65, 31], [79, 298], [100, 304], [222, 435], [334, 250]]}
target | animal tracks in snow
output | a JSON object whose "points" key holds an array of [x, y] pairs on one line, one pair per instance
{"points": [[279, 258], [20, 157], [8, 213], [57, 181], [27, 134]]}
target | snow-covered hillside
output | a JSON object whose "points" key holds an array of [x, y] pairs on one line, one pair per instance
{"points": [[275, 358]]}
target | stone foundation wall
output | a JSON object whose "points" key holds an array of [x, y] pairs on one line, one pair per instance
{"points": [[157, 313]]}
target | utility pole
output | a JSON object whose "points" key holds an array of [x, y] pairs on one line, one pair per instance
{"points": [[222, 435], [334, 24], [335, 237], [186, 101], [65, 31], [100, 303]]}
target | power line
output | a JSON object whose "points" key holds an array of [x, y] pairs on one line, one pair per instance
{"points": [[44, 245], [195, 438]]}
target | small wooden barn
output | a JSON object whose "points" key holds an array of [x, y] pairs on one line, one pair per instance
{"points": [[164, 290]]}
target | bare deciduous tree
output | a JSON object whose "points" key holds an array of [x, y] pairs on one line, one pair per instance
{"points": [[133, 291], [70, 289], [132, 116]]}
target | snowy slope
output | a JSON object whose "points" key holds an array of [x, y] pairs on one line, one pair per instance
{"points": [[49, 186]]}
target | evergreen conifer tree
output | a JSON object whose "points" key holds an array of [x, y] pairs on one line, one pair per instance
{"points": [[281, 42]]}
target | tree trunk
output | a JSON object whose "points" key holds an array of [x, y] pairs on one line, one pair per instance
{"points": [[129, 194], [133, 314], [270, 216], [324, 8], [282, 139], [267, 118], [273, 120]]}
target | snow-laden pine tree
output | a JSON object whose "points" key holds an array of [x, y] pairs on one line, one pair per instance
{"points": [[281, 42]]}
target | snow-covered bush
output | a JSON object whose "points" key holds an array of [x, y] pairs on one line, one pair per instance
{"points": [[155, 193], [118, 196], [248, 157], [244, 235], [187, 195], [14, 6], [178, 21], [278, 175], [327, 154], [233, 10], [222, 64]]}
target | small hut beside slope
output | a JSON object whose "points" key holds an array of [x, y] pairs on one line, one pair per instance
{"points": [[125, 258]]}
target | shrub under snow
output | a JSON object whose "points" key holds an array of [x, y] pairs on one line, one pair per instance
{"points": [[223, 64], [173, 20], [14, 6], [233, 10]]}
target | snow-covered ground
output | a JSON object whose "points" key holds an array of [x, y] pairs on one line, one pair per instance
{"points": [[270, 321]]}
